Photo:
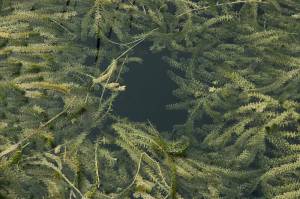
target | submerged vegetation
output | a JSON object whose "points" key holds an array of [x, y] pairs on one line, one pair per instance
{"points": [[236, 67]]}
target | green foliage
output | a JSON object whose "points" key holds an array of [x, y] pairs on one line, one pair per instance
{"points": [[236, 66]]}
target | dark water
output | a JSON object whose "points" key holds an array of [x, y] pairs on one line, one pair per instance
{"points": [[149, 90]]}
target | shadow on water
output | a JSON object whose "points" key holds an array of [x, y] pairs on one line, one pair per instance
{"points": [[149, 90]]}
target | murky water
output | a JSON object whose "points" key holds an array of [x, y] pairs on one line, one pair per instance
{"points": [[149, 90]]}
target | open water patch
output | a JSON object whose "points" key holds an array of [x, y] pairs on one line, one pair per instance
{"points": [[149, 90]]}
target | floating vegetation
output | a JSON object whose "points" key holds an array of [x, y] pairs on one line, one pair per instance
{"points": [[236, 69]]}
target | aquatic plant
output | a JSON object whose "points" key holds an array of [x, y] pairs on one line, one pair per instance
{"points": [[236, 64]]}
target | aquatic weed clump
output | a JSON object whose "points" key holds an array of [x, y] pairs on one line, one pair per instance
{"points": [[236, 67]]}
